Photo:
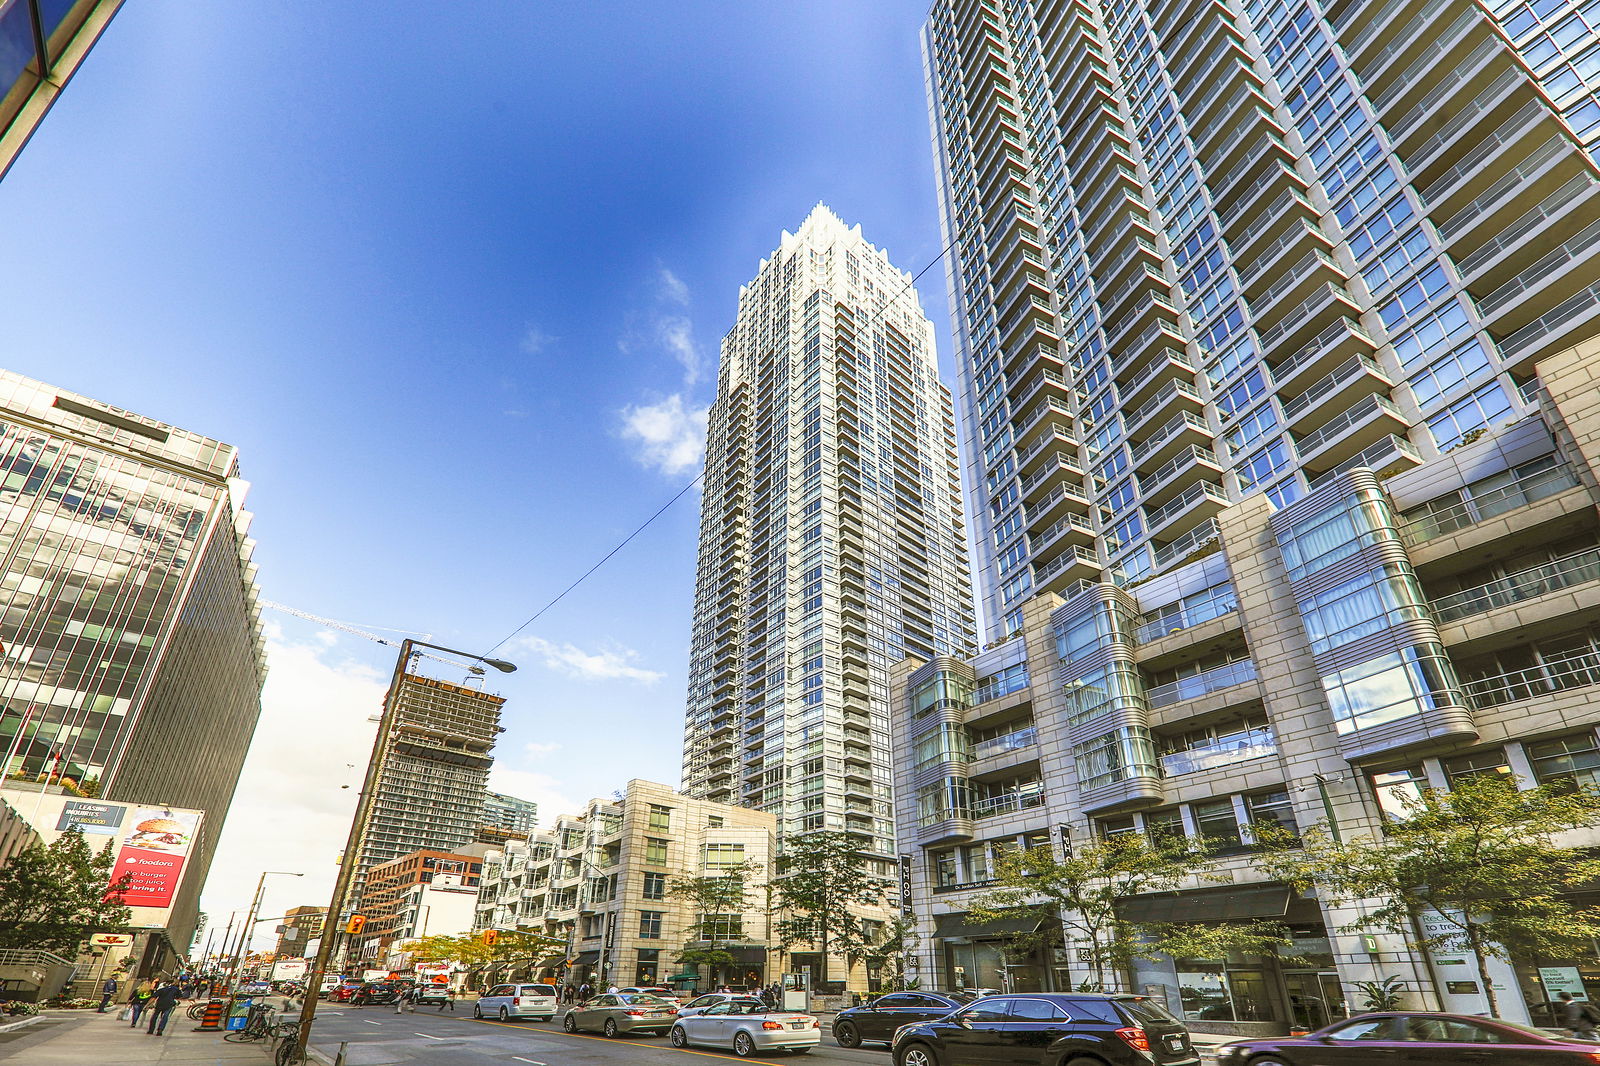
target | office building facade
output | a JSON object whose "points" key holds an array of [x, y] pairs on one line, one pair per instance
{"points": [[430, 793], [133, 661], [1323, 660], [831, 536], [41, 47], [301, 927], [1202, 250], [390, 904], [509, 814]]}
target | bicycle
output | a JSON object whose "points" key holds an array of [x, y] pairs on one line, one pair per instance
{"points": [[261, 1024], [288, 1050]]}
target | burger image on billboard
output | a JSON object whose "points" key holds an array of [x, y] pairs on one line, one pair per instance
{"points": [[160, 834]]}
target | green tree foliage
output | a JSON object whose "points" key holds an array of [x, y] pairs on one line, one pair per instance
{"points": [[710, 898], [1481, 864], [53, 896], [1080, 893], [471, 952], [823, 881]]}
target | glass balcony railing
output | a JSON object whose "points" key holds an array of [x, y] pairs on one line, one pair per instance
{"points": [[1190, 541], [999, 686], [1021, 798], [1487, 505], [1157, 628], [1223, 751], [1575, 569], [1187, 688], [1552, 675], [1013, 741]]}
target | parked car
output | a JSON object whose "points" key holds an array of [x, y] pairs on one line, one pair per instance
{"points": [[749, 1028], [614, 1013], [1049, 1028], [1416, 1038], [346, 990], [433, 992], [517, 1001], [376, 992], [330, 981], [877, 1020], [659, 991], [711, 999]]}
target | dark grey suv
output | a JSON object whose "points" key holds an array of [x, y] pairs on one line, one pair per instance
{"points": [[1049, 1029]]}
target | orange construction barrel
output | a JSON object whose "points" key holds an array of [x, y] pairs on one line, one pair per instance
{"points": [[211, 1018]]}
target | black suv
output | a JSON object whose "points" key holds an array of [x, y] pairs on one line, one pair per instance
{"points": [[879, 1019], [1049, 1028]]}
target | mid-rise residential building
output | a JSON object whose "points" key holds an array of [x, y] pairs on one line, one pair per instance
{"points": [[430, 794], [831, 536], [300, 926], [44, 46], [1314, 662], [1202, 250], [509, 814], [390, 905], [602, 880], [132, 658]]}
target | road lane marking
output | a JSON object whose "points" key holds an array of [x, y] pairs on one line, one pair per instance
{"points": [[615, 1043], [369, 1021], [425, 1036], [531, 1062]]}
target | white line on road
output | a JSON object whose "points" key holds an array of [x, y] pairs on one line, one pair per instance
{"points": [[426, 1036], [369, 1021], [534, 1062]]}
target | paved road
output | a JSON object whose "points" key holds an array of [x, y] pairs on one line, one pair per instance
{"points": [[378, 1036]]}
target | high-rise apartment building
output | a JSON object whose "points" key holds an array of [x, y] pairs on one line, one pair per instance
{"points": [[390, 904], [430, 794], [831, 536], [132, 660], [300, 929], [509, 814], [41, 47], [1203, 250]]}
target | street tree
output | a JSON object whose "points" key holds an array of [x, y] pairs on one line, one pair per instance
{"points": [[52, 896], [1480, 865], [470, 952], [1080, 893], [822, 886], [718, 903]]}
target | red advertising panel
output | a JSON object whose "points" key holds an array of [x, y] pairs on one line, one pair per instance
{"points": [[152, 856]]}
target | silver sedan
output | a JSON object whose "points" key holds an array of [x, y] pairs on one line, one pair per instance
{"points": [[700, 1004], [749, 1028], [615, 1013]]}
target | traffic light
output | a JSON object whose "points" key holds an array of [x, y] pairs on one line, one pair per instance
{"points": [[356, 923], [489, 936]]}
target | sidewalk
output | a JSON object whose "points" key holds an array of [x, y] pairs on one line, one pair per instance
{"points": [[73, 1038]]}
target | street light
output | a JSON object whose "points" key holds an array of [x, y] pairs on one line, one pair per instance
{"points": [[358, 824], [249, 930]]}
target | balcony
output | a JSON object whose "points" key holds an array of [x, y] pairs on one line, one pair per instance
{"points": [[1176, 391], [1178, 473], [1188, 688], [1136, 381], [1272, 178], [1490, 504], [1516, 247], [1024, 797], [1460, 76], [1469, 177], [1190, 542], [1016, 740], [1552, 329], [1294, 283], [1367, 421], [1309, 319], [1356, 375], [1387, 457], [1223, 751], [1579, 568], [1289, 222], [1494, 103], [1198, 504], [1429, 61], [1075, 564], [1182, 619], [1542, 285], [1325, 351], [1053, 505], [1546, 167], [1552, 675], [1184, 429], [1071, 529]]}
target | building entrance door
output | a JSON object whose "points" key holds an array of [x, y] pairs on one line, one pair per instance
{"points": [[1315, 997]]}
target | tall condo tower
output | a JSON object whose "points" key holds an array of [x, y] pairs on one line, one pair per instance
{"points": [[1206, 249], [831, 536]]}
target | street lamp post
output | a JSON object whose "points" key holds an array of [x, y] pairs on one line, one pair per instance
{"points": [[358, 824], [250, 922]]}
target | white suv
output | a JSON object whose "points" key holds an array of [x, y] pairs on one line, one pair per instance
{"points": [[517, 1001]]}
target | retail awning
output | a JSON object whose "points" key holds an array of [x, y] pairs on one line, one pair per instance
{"points": [[962, 923], [1208, 904], [588, 958]]}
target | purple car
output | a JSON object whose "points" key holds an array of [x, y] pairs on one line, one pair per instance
{"points": [[1415, 1039]]}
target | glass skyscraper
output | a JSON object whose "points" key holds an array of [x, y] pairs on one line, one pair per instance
{"points": [[41, 46], [132, 662], [832, 542], [1206, 249]]}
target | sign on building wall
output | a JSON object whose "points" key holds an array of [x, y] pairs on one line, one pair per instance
{"points": [[152, 843], [906, 910]]}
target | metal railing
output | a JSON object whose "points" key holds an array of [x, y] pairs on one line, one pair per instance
{"points": [[1576, 247], [1157, 517], [1223, 751], [1553, 320], [1552, 675], [1317, 344], [1020, 799], [1185, 617], [1330, 382], [1482, 507], [999, 686], [1563, 573], [1167, 431], [1187, 688], [1193, 453], [1340, 426], [1516, 234], [1199, 535], [1013, 741]]}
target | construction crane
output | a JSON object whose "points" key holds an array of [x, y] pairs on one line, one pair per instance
{"points": [[346, 627]]}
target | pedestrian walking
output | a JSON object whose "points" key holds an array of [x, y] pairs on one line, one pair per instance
{"points": [[107, 990], [402, 999], [139, 999], [448, 1000], [1579, 1017], [584, 992], [162, 1000]]}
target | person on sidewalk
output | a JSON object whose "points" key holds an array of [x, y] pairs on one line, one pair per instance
{"points": [[139, 1000], [450, 999], [404, 998], [162, 1000], [107, 990]]}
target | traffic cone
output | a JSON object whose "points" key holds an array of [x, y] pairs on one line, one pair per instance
{"points": [[211, 1020]]}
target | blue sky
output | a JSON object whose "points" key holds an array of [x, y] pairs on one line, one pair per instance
{"points": [[452, 279]]}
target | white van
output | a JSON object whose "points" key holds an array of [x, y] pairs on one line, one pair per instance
{"points": [[506, 1002]]}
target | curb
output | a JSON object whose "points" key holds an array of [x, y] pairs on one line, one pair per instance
{"points": [[29, 1020], [318, 1056]]}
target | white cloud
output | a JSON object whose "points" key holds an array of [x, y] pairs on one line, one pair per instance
{"points": [[608, 664], [535, 340], [536, 749], [672, 287], [540, 788], [289, 812], [667, 436], [676, 334]]}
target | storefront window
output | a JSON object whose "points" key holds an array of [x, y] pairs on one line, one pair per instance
{"points": [[1218, 824], [1213, 991], [1570, 761], [1397, 791]]}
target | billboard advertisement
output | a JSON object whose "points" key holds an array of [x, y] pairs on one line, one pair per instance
{"points": [[151, 842]]}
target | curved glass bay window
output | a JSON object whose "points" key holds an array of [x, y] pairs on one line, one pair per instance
{"points": [[948, 743], [948, 798], [943, 690], [1118, 756], [1368, 603], [1357, 521], [1392, 686], [1097, 691], [1105, 623]]}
